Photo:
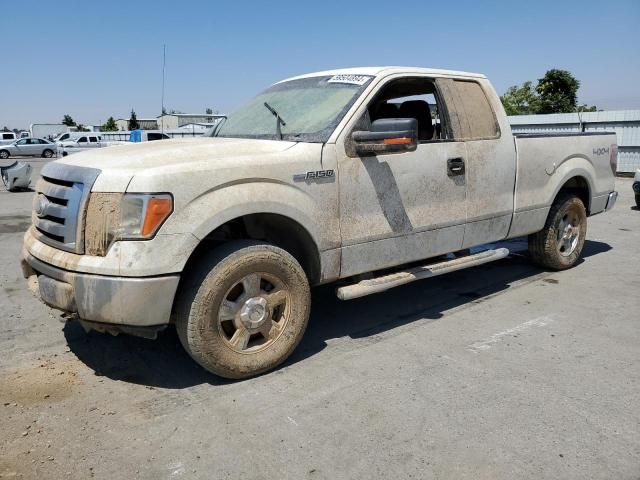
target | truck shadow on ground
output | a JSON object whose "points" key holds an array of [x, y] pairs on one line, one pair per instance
{"points": [[164, 363]]}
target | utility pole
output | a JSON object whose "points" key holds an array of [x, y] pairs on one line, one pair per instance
{"points": [[164, 61]]}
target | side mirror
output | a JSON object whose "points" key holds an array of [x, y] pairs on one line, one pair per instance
{"points": [[387, 135]]}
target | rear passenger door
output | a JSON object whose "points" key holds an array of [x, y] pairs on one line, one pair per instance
{"points": [[490, 161], [32, 147]]}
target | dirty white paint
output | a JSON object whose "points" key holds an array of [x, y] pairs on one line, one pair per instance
{"points": [[487, 343]]}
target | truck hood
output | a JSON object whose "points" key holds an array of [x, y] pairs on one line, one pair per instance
{"points": [[120, 163]]}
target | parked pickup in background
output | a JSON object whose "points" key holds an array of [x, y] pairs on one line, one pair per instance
{"points": [[347, 176], [7, 137], [77, 143]]}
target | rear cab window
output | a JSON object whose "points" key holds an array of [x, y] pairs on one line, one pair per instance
{"points": [[477, 119]]}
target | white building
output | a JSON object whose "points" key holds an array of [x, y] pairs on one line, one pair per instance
{"points": [[176, 120]]}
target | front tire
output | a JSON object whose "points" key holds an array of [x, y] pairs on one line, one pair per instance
{"points": [[47, 153], [558, 245], [243, 309], [638, 200], [4, 154]]}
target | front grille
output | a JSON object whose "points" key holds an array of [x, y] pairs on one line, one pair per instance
{"points": [[60, 204]]}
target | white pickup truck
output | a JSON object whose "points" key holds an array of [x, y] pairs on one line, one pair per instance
{"points": [[351, 175], [7, 138]]}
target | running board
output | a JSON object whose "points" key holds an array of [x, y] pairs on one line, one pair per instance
{"points": [[380, 284]]}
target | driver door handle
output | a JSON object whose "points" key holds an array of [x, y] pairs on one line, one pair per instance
{"points": [[455, 166]]}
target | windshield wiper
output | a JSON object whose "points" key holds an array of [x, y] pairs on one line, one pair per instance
{"points": [[279, 120]]}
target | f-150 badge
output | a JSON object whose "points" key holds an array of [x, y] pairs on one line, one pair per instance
{"points": [[315, 175]]}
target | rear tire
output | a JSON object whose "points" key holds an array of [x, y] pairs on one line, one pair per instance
{"points": [[558, 245], [243, 309]]}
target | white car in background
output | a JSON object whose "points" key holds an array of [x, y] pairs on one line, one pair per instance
{"points": [[34, 147], [7, 137]]}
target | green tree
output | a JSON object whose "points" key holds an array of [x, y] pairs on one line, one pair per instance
{"points": [[586, 108], [209, 111], [558, 91], [109, 125], [68, 121], [5, 129], [520, 100], [81, 128], [133, 121]]}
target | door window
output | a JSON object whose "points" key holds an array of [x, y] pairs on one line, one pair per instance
{"points": [[22, 142], [82, 140], [93, 139], [410, 98]]}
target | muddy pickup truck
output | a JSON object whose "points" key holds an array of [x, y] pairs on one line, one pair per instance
{"points": [[368, 177]]}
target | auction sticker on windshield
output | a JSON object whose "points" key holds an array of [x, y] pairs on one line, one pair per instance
{"points": [[350, 79]]}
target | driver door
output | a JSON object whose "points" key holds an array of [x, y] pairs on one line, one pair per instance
{"points": [[397, 208]]}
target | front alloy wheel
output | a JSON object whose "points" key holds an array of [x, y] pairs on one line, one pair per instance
{"points": [[243, 308], [254, 312]]}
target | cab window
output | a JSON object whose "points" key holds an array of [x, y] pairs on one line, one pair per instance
{"points": [[480, 122]]}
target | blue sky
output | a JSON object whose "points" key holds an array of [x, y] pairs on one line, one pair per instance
{"points": [[96, 59]]}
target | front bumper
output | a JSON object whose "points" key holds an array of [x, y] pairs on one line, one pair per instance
{"points": [[110, 300]]}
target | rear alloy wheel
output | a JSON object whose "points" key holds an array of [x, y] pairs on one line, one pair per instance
{"points": [[4, 154], [244, 309], [558, 245], [47, 153]]}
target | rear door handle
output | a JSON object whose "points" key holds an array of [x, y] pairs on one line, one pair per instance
{"points": [[455, 166]]}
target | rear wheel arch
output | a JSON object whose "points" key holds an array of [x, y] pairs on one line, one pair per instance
{"points": [[580, 187]]}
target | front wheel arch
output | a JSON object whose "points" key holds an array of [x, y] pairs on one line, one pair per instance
{"points": [[276, 229]]}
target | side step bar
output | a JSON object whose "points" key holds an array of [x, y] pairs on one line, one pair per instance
{"points": [[380, 284]]}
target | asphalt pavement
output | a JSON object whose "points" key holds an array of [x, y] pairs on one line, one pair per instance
{"points": [[502, 371]]}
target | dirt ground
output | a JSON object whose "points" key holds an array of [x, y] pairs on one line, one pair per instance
{"points": [[502, 371]]}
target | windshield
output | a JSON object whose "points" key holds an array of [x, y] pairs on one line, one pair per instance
{"points": [[307, 109]]}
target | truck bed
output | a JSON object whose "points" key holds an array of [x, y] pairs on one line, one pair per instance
{"points": [[545, 162]]}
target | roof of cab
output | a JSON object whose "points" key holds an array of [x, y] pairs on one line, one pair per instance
{"points": [[377, 71]]}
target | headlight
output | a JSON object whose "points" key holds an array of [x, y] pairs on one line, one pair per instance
{"points": [[143, 214], [129, 216]]}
